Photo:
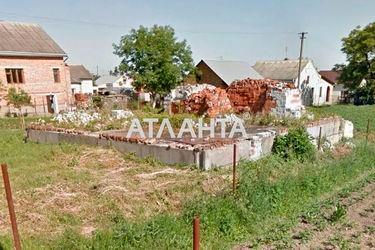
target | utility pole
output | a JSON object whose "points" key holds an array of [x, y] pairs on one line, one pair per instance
{"points": [[302, 37], [286, 52]]}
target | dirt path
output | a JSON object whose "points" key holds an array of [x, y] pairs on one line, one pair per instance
{"points": [[354, 228]]}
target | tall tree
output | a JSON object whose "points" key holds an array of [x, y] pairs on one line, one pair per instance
{"points": [[359, 48], [154, 58]]}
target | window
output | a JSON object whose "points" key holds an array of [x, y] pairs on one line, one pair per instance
{"points": [[56, 75], [308, 79], [320, 91], [14, 75]]}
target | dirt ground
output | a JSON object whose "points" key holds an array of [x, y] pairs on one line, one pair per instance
{"points": [[354, 228], [95, 187]]}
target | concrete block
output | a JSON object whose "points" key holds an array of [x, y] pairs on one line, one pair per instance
{"points": [[348, 129]]}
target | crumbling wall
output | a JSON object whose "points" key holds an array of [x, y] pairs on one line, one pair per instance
{"points": [[250, 95], [288, 102], [265, 96], [210, 102]]}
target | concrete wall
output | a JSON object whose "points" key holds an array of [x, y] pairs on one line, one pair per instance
{"points": [[288, 103], [251, 148], [333, 130], [254, 147]]}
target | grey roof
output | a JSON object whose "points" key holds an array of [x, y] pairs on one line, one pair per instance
{"points": [[104, 79], [26, 39], [79, 73], [339, 87], [286, 70], [230, 71]]}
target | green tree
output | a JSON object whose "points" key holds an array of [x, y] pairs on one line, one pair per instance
{"points": [[154, 58], [338, 67], [359, 48], [18, 98]]}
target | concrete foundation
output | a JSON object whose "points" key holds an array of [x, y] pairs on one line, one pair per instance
{"points": [[258, 144]]}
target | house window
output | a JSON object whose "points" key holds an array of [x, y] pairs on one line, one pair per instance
{"points": [[14, 75], [320, 91], [56, 75], [308, 79]]}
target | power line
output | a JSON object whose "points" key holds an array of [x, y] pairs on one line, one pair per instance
{"points": [[112, 25]]}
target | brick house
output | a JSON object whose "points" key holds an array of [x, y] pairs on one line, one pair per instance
{"points": [[30, 59]]}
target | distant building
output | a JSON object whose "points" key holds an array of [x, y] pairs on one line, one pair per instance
{"points": [[222, 73], [31, 60], [340, 92], [315, 90], [109, 83], [81, 80]]}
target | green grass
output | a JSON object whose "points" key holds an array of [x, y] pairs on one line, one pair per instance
{"points": [[359, 115], [272, 195]]}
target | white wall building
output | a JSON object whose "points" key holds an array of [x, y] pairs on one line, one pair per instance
{"points": [[81, 80], [315, 90], [109, 83]]}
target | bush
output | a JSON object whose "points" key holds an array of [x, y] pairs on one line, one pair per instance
{"points": [[296, 144], [97, 102]]}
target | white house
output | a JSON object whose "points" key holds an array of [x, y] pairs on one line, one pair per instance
{"points": [[109, 83], [81, 80], [315, 90]]}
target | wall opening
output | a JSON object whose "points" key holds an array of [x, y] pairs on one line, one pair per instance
{"points": [[328, 94]]}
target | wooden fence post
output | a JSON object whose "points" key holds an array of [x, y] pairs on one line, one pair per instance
{"points": [[12, 214], [35, 107], [196, 233], [367, 130], [320, 138], [234, 167]]}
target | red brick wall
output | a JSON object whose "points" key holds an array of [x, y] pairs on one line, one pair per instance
{"points": [[209, 76], [39, 80]]}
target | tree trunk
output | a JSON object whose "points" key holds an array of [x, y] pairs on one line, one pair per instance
{"points": [[22, 119]]}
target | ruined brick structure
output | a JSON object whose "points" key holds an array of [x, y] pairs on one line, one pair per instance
{"points": [[251, 95], [208, 102]]}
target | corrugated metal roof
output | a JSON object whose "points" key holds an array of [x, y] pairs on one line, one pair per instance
{"points": [[26, 39], [78, 73], [286, 70], [230, 71]]}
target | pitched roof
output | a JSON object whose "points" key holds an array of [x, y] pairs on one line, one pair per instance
{"points": [[79, 73], [230, 71], [286, 70], [26, 39], [330, 75], [339, 87], [104, 79]]}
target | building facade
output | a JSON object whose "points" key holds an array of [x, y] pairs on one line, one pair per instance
{"points": [[314, 89], [32, 61], [81, 80]]}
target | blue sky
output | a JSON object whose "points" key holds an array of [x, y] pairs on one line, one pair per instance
{"points": [[230, 30]]}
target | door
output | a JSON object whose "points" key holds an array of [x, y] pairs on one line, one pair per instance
{"points": [[50, 104], [328, 95]]}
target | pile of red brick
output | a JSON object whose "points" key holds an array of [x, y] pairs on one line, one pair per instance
{"points": [[250, 95], [208, 102]]}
